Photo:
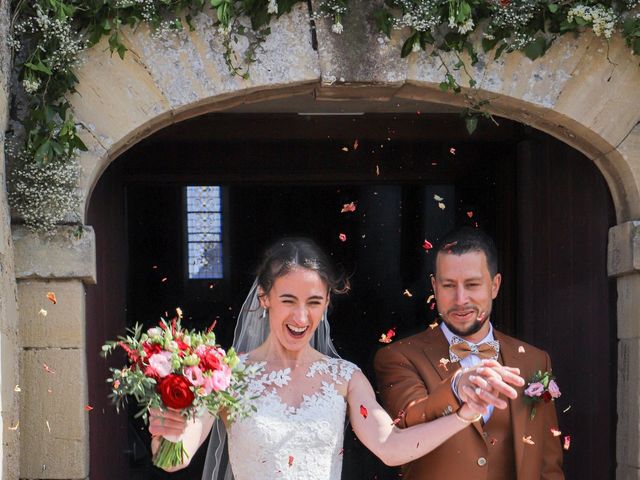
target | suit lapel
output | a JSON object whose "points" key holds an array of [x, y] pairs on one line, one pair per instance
{"points": [[517, 407], [436, 348]]}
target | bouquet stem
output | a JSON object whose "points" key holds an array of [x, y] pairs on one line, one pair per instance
{"points": [[170, 454]]}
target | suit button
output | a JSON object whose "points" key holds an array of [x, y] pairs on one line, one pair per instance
{"points": [[482, 461], [485, 434]]}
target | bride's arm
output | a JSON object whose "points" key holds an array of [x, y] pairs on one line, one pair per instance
{"points": [[395, 446], [193, 432]]}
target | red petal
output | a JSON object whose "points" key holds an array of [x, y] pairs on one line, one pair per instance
{"points": [[290, 460], [52, 297], [88, 408], [363, 411], [342, 237], [427, 245], [567, 442]]}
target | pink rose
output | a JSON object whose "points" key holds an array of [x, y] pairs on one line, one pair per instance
{"points": [[554, 390], [194, 375], [219, 379], [534, 389], [161, 363], [210, 358]]}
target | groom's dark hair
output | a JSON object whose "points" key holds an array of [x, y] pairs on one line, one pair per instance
{"points": [[467, 239]]}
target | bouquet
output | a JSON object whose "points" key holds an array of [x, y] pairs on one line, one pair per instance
{"points": [[541, 387], [171, 367]]}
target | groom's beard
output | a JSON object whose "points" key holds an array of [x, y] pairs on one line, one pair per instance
{"points": [[473, 328]]}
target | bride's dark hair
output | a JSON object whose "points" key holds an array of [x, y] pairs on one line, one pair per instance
{"points": [[289, 253]]}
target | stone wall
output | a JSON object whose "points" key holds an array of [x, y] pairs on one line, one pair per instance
{"points": [[8, 295]]}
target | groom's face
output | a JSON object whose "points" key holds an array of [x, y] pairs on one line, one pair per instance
{"points": [[464, 291]]}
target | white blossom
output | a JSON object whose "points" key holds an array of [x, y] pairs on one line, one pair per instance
{"points": [[272, 7], [602, 19], [337, 28], [31, 85]]}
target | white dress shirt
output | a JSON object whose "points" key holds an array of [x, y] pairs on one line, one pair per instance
{"points": [[472, 359]]}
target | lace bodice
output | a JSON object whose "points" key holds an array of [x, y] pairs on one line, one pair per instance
{"points": [[293, 442]]}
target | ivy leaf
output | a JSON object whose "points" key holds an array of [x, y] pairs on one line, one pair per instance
{"points": [[407, 47], [553, 7], [499, 51], [471, 123], [38, 67], [536, 48], [444, 86]]}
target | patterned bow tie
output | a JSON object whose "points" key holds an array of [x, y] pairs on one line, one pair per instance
{"points": [[459, 350]]}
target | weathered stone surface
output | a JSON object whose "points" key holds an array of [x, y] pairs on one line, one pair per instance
{"points": [[69, 253], [624, 472], [9, 439], [629, 306], [54, 427], [628, 431], [63, 323], [623, 255]]}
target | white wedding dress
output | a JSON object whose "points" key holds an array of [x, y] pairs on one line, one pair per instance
{"points": [[289, 441]]}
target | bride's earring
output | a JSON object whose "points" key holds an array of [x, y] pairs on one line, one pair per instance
{"points": [[264, 313]]}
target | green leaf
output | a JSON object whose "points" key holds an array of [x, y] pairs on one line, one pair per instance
{"points": [[488, 44], [471, 123], [444, 86], [536, 48], [407, 46], [216, 3], [636, 46], [383, 21], [38, 67], [42, 153], [553, 7], [499, 51]]}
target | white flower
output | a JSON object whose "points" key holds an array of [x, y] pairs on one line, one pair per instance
{"points": [[467, 26], [161, 363], [31, 86], [154, 332], [272, 7], [415, 47], [452, 22], [337, 28]]}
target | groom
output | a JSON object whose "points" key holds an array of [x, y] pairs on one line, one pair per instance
{"points": [[418, 382]]}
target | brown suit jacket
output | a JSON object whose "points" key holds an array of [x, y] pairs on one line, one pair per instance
{"points": [[412, 380]]}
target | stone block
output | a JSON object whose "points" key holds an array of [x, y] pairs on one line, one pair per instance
{"points": [[623, 255], [70, 252], [628, 306], [62, 325], [625, 472], [54, 426], [628, 430]]}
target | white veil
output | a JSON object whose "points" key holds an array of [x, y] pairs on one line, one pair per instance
{"points": [[251, 331]]}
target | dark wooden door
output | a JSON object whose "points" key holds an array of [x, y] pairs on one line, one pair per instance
{"points": [[565, 302]]}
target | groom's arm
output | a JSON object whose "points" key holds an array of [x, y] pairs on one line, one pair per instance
{"points": [[405, 394]]}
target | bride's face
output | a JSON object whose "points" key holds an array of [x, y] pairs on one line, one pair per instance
{"points": [[296, 303]]}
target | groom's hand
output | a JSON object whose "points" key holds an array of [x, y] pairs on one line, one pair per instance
{"points": [[487, 382]]}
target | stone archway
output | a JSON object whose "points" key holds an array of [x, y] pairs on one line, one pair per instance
{"points": [[573, 93]]}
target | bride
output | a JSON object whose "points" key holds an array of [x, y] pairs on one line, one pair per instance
{"points": [[305, 392]]}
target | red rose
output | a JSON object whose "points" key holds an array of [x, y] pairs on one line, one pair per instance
{"points": [[209, 358], [546, 396], [175, 392]]}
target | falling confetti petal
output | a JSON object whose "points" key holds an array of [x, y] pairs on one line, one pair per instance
{"points": [[164, 279], [438, 198], [528, 440], [42, 312], [398, 418], [341, 452], [567, 442], [449, 246], [290, 460], [355, 144], [377, 170], [433, 325], [566, 409], [493, 441], [16, 427], [348, 207], [470, 214], [407, 293], [88, 408], [345, 149], [179, 312], [556, 433], [342, 237], [17, 388], [520, 349], [52, 297], [441, 206], [48, 426], [427, 245], [432, 307], [452, 151], [430, 297], [49, 390], [386, 337], [443, 363], [363, 411], [47, 368]]}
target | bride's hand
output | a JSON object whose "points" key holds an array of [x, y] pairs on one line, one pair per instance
{"points": [[167, 422]]}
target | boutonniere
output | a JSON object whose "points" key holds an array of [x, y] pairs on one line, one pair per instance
{"points": [[541, 387]]}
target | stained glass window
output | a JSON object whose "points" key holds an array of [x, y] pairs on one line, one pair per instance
{"points": [[204, 232]]}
